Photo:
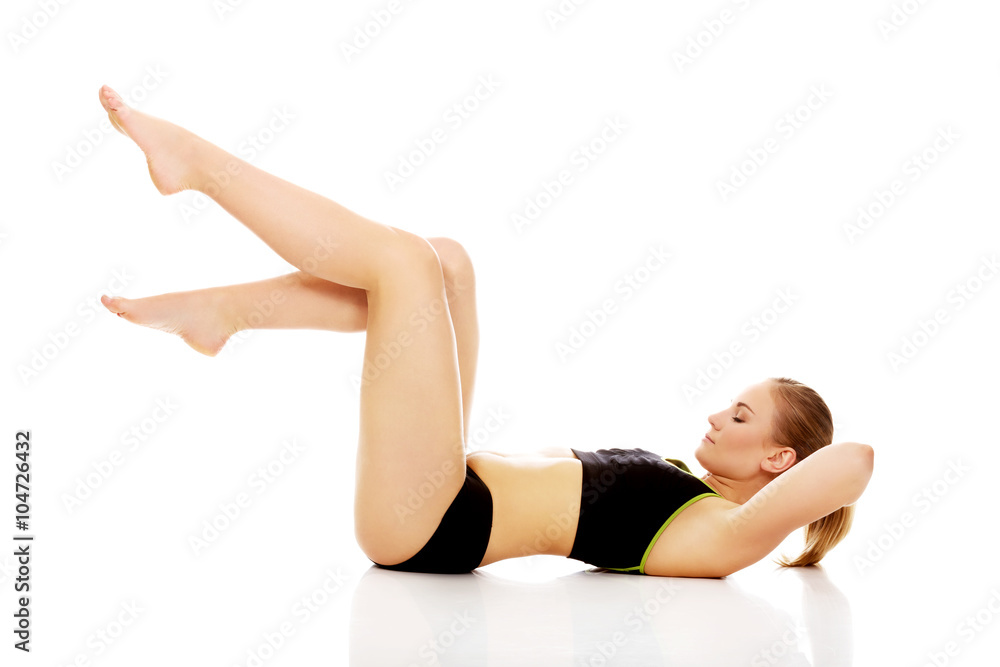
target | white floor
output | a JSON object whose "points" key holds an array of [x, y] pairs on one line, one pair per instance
{"points": [[266, 598], [548, 611], [540, 612]]}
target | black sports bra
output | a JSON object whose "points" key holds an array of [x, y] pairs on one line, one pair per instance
{"points": [[628, 498]]}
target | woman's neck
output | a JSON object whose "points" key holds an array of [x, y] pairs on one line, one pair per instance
{"points": [[734, 490]]}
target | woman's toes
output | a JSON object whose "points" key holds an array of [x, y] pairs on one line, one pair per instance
{"points": [[110, 100], [115, 106], [113, 303], [193, 316]]}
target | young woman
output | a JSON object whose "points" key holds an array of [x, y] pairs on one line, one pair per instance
{"points": [[422, 503]]}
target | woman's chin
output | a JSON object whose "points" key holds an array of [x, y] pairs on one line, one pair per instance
{"points": [[699, 453]]}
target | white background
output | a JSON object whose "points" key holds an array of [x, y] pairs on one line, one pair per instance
{"points": [[70, 223]]}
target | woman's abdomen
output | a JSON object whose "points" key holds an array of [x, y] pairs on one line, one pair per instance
{"points": [[536, 503]]}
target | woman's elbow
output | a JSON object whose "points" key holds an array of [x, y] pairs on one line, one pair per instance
{"points": [[862, 464], [856, 453], [866, 457]]}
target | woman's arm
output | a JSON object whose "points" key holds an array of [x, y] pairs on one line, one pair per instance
{"points": [[823, 482]]}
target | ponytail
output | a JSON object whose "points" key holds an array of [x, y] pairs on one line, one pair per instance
{"points": [[804, 423], [821, 536]]}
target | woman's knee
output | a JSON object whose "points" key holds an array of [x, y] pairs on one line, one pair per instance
{"points": [[391, 529], [411, 256], [455, 264]]}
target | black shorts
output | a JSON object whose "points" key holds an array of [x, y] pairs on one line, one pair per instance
{"points": [[459, 543]]}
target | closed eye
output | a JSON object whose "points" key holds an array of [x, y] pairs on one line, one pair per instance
{"points": [[737, 420]]}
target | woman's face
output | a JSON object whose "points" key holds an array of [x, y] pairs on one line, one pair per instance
{"points": [[739, 437]]}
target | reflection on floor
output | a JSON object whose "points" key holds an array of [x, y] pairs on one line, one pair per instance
{"points": [[552, 611]]}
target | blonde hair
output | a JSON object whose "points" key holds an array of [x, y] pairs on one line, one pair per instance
{"points": [[803, 422]]}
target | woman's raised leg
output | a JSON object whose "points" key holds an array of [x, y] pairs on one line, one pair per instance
{"points": [[411, 425], [206, 318], [311, 232]]}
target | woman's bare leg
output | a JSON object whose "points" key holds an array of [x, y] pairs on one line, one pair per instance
{"points": [[411, 425], [312, 233], [206, 318]]}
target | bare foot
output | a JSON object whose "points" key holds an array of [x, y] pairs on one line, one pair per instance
{"points": [[197, 317], [171, 151]]}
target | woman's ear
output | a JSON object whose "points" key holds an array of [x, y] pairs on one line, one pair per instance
{"points": [[779, 461]]}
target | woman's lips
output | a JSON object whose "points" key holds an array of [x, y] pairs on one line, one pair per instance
{"points": [[709, 439]]}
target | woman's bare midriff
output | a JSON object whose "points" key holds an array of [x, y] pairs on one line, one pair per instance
{"points": [[536, 501], [536, 508]]}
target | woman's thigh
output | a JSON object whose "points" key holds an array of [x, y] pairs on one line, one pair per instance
{"points": [[411, 451]]}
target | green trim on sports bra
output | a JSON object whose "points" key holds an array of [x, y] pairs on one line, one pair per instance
{"points": [[680, 464], [641, 567]]}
